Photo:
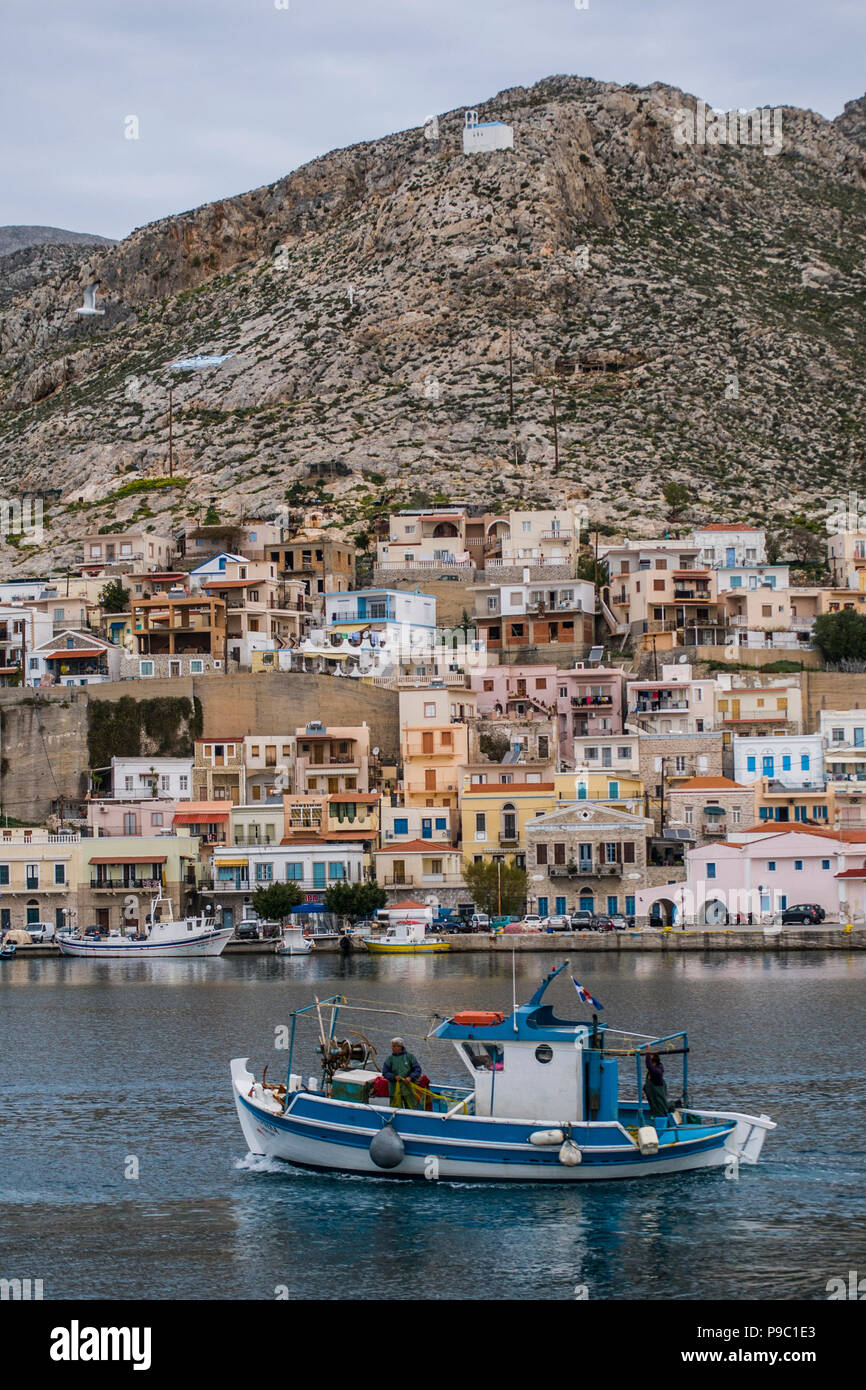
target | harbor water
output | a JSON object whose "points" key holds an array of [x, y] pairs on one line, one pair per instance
{"points": [[124, 1175]]}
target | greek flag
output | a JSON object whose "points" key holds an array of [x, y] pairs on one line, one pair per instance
{"points": [[585, 995]]}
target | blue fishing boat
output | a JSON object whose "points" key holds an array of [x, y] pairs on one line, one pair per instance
{"points": [[7, 950], [545, 1104]]}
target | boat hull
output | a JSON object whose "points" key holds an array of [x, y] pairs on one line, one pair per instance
{"points": [[205, 944], [334, 1136], [407, 948]]}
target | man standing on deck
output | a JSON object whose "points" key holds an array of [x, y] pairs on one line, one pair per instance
{"points": [[401, 1066]]}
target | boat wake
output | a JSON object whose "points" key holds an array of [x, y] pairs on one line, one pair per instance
{"points": [[260, 1163]]}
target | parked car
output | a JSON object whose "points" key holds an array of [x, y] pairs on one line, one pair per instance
{"points": [[602, 923], [94, 930], [581, 920], [479, 921], [805, 913], [620, 923], [248, 931], [40, 931], [532, 919], [558, 923]]}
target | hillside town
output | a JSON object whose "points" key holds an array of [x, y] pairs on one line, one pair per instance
{"points": [[639, 731]]}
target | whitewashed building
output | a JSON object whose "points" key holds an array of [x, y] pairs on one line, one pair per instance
{"points": [[145, 778], [479, 137], [795, 761]]}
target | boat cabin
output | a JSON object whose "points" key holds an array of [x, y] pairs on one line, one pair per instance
{"points": [[535, 1065]]}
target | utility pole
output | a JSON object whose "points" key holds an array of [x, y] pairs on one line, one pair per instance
{"points": [[655, 660], [499, 887], [662, 799], [510, 376], [555, 433]]}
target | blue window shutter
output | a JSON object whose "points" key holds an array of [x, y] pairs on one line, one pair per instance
{"points": [[401, 825], [751, 763], [542, 907], [804, 762], [786, 762], [711, 871]]}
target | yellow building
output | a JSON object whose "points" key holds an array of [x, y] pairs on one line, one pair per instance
{"points": [[332, 816], [494, 816], [434, 744], [419, 864], [39, 875], [806, 805], [618, 789]]}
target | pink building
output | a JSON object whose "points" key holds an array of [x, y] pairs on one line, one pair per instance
{"points": [[588, 700], [762, 873], [133, 817]]}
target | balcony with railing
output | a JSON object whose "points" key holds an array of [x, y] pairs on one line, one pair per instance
{"points": [[121, 885], [584, 869]]}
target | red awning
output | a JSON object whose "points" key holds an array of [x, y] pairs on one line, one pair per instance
{"points": [[199, 817], [131, 859]]}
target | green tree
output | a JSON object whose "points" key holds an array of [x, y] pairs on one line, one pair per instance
{"points": [[362, 540], [114, 598], [211, 516], [841, 636], [354, 900], [677, 497], [496, 886], [276, 901]]}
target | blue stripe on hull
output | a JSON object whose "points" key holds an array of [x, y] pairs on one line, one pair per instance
{"points": [[425, 1136]]}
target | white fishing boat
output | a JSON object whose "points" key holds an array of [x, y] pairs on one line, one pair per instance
{"points": [[163, 935], [545, 1103], [293, 942]]}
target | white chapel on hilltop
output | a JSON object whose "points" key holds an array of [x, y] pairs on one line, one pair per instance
{"points": [[488, 135]]}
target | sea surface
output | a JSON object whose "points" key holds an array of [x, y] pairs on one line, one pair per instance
{"points": [[124, 1174]]}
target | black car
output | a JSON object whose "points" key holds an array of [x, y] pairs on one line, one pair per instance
{"points": [[247, 931], [804, 913]]}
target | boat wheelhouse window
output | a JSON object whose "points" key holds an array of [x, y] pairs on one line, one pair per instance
{"points": [[544, 1053], [485, 1056]]}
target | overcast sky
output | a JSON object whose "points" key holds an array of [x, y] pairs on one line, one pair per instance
{"points": [[231, 94]]}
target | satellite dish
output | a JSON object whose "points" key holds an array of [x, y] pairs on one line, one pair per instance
{"points": [[683, 658], [375, 752]]}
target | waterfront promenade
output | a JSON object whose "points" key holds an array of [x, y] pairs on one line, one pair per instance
{"points": [[673, 940]]}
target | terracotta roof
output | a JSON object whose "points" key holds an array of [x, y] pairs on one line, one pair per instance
{"points": [[413, 846], [776, 827], [408, 902], [75, 651], [851, 873], [707, 784]]}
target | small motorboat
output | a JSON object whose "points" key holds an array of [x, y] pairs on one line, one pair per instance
{"points": [[545, 1104], [163, 935], [407, 938], [7, 950], [294, 942]]}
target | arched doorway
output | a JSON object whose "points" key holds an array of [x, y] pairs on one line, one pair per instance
{"points": [[663, 912]]}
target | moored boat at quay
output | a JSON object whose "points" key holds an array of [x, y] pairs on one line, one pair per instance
{"points": [[406, 938], [163, 935], [545, 1105]]}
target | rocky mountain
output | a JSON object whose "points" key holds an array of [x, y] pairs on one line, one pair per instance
{"points": [[20, 238], [675, 311]]}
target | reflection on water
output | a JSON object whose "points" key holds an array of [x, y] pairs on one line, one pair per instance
{"points": [[106, 1060]]}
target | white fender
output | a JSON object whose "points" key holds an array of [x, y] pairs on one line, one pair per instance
{"points": [[570, 1154], [547, 1136]]}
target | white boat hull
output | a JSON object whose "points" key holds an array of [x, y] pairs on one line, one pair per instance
{"points": [[302, 1141], [204, 944]]}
